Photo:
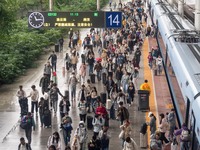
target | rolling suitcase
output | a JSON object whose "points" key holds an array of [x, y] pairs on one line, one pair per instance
{"points": [[108, 104], [89, 122], [24, 106], [92, 78], [143, 140], [67, 93], [47, 118], [103, 97], [143, 136]]}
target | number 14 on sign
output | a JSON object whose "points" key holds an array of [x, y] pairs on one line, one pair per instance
{"points": [[113, 19]]}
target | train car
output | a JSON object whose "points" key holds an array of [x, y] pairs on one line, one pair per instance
{"points": [[180, 48]]}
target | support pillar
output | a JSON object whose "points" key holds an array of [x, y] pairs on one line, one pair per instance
{"points": [[50, 5], [197, 15], [98, 5], [180, 7]]}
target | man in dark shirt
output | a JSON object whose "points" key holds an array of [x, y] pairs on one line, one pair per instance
{"points": [[53, 58]]}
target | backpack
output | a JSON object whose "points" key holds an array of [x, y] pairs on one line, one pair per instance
{"points": [[27, 146], [23, 123], [185, 135]]}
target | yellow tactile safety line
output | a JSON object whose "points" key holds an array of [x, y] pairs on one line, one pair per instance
{"points": [[148, 76]]}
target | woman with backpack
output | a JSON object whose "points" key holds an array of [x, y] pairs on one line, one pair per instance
{"points": [[163, 128], [54, 140], [184, 133]]}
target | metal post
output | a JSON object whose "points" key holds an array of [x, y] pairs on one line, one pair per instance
{"points": [[50, 5], [197, 15], [98, 5], [180, 7]]}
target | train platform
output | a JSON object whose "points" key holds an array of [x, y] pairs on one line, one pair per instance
{"points": [[10, 132]]}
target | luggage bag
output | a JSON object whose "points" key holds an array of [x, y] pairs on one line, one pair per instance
{"points": [[103, 97], [47, 118], [89, 122], [92, 78]]}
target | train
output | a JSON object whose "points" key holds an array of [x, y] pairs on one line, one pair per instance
{"points": [[179, 45]]}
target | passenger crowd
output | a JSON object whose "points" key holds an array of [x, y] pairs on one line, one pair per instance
{"points": [[111, 56]]}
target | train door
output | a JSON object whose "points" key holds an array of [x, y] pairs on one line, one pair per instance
{"points": [[187, 115], [194, 142]]}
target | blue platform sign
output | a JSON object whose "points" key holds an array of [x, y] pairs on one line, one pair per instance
{"points": [[113, 19]]}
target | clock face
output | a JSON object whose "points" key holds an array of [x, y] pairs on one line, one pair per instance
{"points": [[36, 19]]}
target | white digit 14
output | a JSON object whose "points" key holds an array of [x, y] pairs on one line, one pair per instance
{"points": [[115, 20]]}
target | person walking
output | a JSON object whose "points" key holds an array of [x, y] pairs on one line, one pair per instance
{"points": [[61, 42], [113, 97], [185, 138], [94, 143], [163, 126], [98, 69], [109, 85], [44, 83], [97, 123], [82, 105], [159, 64], [118, 76], [135, 76], [34, 94], [53, 58], [104, 136], [67, 128], [172, 123], [124, 81], [82, 73], [74, 61], [72, 83], [131, 93], [90, 62], [81, 134], [82, 94], [43, 105], [122, 113], [64, 106], [67, 62], [152, 123], [54, 91], [130, 144], [23, 101], [47, 70], [126, 129], [30, 123], [54, 140], [155, 142], [23, 145]]}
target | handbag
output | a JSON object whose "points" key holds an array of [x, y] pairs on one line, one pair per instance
{"points": [[121, 135]]}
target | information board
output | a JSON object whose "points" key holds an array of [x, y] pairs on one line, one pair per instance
{"points": [[98, 19]]}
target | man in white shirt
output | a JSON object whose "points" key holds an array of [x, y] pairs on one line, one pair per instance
{"points": [[159, 64], [34, 99], [23, 145]]}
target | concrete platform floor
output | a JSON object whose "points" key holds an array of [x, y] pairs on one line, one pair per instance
{"points": [[10, 131]]}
